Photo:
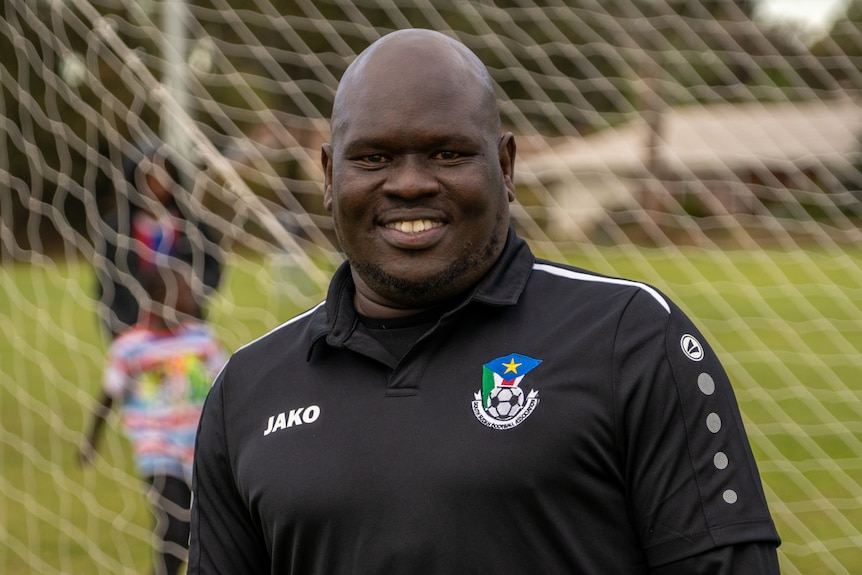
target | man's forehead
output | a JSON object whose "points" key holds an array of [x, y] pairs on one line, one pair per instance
{"points": [[402, 66], [407, 45], [413, 73], [437, 113], [408, 56]]}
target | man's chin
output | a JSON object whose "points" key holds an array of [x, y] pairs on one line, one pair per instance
{"points": [[420, 291], [411, 290]]}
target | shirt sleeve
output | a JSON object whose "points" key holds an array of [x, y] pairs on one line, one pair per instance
{"points": [[692, 483], [225, 538], [741, 559]]}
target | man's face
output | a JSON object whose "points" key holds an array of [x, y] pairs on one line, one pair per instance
{"points": [[418, 181]]}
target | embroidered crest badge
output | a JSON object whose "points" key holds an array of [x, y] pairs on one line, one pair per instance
{"points": [[502, 403]]}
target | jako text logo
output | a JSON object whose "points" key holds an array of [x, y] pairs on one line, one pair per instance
{"points": [[293, 417]]}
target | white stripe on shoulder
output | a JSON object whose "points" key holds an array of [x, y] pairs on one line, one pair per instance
{"points": [[571, 274], [288, 322], [285, 324]]}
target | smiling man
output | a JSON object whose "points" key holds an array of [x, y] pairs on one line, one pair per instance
{"points": [[418, 178], [456, 405]]}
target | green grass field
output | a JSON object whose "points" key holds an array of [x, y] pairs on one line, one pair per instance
{"points": [[788, 327]]}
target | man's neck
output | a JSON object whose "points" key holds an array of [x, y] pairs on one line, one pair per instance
{"points": [[378, 310]]}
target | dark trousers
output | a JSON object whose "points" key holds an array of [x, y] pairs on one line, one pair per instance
{"points": [[171, 498]]}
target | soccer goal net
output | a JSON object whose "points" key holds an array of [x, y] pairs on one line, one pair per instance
{"points": [[704, 147]]}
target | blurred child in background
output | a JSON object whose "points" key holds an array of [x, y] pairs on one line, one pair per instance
{"points": [[160, 371], [154, 218]]}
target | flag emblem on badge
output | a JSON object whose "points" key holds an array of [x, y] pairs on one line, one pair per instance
{"points": [[502, 403]]}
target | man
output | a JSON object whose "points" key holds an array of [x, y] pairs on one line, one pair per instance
{"points": [[456, 406]]}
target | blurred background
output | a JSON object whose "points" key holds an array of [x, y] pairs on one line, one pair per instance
{"points": [[711, 148]]}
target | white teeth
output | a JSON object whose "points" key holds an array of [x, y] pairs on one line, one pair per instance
{"points": [[413, 226]]}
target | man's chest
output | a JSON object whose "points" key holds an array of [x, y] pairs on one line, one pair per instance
{"points": [[462, 427]]}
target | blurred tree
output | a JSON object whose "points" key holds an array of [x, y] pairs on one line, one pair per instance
{"points": [[840, 51]]}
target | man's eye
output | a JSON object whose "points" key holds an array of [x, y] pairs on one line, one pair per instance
{"points": [[446, 155], [374, 158]]}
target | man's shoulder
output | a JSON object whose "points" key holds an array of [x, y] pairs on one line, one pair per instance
{"points": [[577, 281], [286, 335]]}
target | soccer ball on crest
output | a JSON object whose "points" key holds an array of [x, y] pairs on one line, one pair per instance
{"points": [[505, 402]]}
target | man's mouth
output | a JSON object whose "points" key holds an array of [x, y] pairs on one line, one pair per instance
{"points": [[413, 226]]}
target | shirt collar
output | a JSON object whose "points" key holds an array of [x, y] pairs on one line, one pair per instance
{"points": [[501, 286]]}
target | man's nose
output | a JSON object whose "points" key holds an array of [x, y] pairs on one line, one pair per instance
{"points": [[412, 176]]}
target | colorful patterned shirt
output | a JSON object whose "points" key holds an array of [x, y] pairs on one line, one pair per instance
{"points": [[162, 379]]}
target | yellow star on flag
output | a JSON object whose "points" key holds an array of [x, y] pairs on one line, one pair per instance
{"points": [[512, 366]]}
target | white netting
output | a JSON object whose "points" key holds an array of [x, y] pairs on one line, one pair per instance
{"points": [[683, 143]]}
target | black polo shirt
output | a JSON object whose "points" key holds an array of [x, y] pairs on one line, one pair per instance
{"points": [[555, 421]]}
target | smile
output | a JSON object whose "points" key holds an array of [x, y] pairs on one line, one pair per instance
{"points": [[413, 226]]}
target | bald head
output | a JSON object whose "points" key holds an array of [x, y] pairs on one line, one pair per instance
{"points": [[408, 60], [417, 175]]}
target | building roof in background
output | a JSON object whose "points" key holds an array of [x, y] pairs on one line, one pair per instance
{"points": [[779, 136]]}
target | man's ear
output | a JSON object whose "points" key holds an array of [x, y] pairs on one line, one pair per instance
{"points": [[507, 163], [326, 162]]}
